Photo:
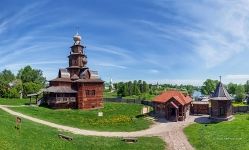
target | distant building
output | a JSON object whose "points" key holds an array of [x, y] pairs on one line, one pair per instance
{"points": [[111, 86], [221, 104], [173, 105], [246, 100], [76, 86]]}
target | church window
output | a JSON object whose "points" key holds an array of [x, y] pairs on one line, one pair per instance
{"points": [[90, 93]]}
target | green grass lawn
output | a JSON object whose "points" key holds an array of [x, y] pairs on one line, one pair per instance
{"points": [[145, 96], [15, 101], [33, 136], [108, 94], [116, 117], [239, 104], [229, 135]]}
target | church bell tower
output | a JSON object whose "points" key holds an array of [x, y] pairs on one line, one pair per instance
{"points": [[77, 58]]}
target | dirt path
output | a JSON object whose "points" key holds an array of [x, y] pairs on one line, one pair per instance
{"points": [[170, 132]]}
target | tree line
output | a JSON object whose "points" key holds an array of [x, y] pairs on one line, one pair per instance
{"points": [[27, 81], [139, 88], [238, 91]]}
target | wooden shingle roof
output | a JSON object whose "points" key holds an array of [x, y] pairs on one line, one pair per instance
{"points": [[220, 93], [61, 80], [60, 89]]}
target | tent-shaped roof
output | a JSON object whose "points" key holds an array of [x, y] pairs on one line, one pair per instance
{"points": [[177, 95], [220, 93]]}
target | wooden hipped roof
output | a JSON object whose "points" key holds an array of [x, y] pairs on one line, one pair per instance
{"points": [[220, 93], [177, 95]]}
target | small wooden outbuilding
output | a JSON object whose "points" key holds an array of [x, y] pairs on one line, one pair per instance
{"points": [[173, 105], [199, 107], [221, 104]]}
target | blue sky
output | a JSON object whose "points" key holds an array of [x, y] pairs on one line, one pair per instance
{"points": [[166, 41]]}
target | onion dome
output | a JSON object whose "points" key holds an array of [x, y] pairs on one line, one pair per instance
{"points": [[77, 38]]}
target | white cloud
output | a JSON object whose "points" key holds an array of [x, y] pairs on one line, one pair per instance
{"points": [[237, 76], [218, 30], [154, 71], [20, 65], [112, 65], [222, 33], [111, 50]]}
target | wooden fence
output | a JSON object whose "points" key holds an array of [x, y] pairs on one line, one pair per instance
{"points": [[135, 101], [239, 109]]}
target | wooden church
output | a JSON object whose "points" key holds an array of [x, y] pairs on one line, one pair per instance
{"points": [[76, 86]]}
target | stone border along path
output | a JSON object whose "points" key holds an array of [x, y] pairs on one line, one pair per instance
{"points": [[170, 132]]}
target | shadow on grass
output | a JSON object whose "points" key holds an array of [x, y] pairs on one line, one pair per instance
{"points": [[206, 120]]}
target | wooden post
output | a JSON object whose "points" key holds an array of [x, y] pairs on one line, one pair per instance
{"points": [[36, 98], [183, 116], [177, 114]]}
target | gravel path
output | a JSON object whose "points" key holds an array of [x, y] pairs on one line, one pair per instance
{"points": [[170, 132]]}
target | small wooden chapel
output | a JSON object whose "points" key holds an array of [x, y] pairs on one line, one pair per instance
{"points": [[221, 104]]}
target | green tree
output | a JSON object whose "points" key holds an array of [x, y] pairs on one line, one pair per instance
{"points": [[190, 89], [28, 74], [7, 76], [120, 89], [240, 93], [32, 79], [247, 86], [130, 87], [126, 89], [145, 87], [136, 89], [209, 86], [31, 87], [231, 87]]}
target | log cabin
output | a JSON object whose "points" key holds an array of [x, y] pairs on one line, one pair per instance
{"points": [[172, 105]]}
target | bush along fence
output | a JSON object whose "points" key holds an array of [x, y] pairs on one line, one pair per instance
{"points": [[135, 101], [239, 109]]}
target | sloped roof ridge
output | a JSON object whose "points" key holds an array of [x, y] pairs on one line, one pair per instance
{"points": [[220, 93], [167, 95]]}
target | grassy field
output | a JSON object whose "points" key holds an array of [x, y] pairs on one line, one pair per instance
{"points": [[239, 104], [110, 94], [33, 136], [116, 117], [145, 96], [13, 101], [229, 135]]}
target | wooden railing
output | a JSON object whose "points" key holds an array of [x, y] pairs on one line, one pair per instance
{"points": [[238, 109], [61, 99]]}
